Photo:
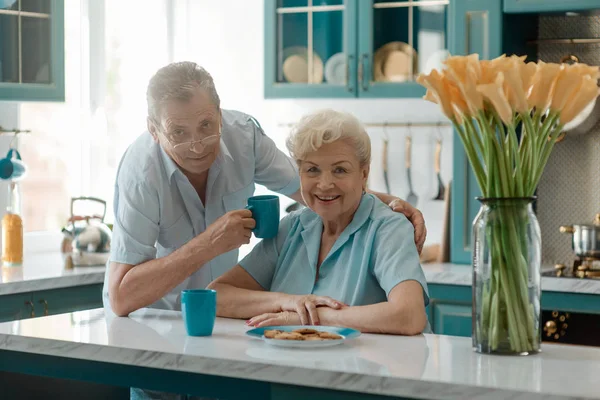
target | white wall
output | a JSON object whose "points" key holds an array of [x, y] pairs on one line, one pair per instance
{"points": [[228, 40]]}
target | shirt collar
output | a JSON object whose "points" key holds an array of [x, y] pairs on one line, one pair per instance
{"points": [[312, 225]]}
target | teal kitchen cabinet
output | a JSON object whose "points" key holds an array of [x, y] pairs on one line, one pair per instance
{"points": [[16, 306], [366, 48], [50, 302], [475, 27], [450, 312], [32, 65], [389, 29], [64, 300], [538, 6]]}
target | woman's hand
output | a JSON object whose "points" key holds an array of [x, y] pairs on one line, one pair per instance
{"points": [[415, 217], [272, 319], [305, 306]]}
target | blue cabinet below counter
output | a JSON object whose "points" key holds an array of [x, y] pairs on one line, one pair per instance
{"points": [[450, 313], [50, 302]]}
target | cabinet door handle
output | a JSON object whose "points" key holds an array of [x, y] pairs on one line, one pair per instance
{"points": [[30, 304], [362, 72], [45, 303], [349, 82]]}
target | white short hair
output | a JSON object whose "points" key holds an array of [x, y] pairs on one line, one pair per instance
{"points": [[327, 126]]}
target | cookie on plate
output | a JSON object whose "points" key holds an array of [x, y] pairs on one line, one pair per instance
{"points": [[329, 335], [271, 333], [289, 336], [305, 331], [313, 337]]}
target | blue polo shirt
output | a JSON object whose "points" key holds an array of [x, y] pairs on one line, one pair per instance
{"points": [[371, 256], [157, 210]]}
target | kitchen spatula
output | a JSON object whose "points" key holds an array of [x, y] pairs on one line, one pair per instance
{"points": [[437, 162], [412, 196]]}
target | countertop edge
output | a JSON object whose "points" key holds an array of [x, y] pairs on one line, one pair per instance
{"points": [[260, 371], [57, 282], [461, 275]]}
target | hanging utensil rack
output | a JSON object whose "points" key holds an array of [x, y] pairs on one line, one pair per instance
{"points": [[390, 124]]}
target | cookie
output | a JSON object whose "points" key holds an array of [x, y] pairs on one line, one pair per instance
{"points": [[329, 335], [271, 333], [316, 337], [305, 331], [289, 336]]}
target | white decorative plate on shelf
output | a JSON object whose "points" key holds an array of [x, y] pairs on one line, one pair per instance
{"points": [[395, 62], [335, 69], [304, 336], [295, 65]]}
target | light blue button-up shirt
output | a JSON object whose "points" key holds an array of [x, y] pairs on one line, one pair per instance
{"points": [[371, 256], [157, 210]]}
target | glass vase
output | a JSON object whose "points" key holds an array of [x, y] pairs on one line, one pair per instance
{"points": [[506, 277]]}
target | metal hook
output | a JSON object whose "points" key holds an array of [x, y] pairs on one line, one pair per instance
{"points": [[10, 146], [385, 132], [440, 137]]}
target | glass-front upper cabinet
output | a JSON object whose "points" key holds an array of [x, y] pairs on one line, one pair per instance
{"points": [[32, 50], [310, 48], [352, 48], [397, 41]]}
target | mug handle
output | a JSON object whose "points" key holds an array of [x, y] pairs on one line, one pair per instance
{"points": [[248, 207], [10, 154]]}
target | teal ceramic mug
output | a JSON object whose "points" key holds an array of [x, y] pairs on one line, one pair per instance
{"points": [[12, 167], [265, 211], [199, 309]]}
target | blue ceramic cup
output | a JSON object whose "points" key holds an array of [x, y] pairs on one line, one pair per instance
{"points": [[199, 309], [12, 167], [265, 211]]}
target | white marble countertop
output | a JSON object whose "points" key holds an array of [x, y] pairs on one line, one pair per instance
{"points": [[462, 274], [43, 271], [422, 367]]}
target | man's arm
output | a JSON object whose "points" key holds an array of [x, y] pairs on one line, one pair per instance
{"points": [[135, 286], [132, 287]]}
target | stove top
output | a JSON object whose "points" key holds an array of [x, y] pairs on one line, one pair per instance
{"points": [[587, 268]]}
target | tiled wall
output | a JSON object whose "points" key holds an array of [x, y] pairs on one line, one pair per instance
{"points": [[569, 191]]}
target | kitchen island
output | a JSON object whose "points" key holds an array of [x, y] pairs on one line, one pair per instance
{"points": [[151, 349], [43, 286]]}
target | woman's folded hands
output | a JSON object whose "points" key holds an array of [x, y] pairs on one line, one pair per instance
{"points": [[297, 310]]}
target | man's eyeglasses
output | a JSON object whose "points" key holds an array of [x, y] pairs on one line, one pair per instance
{"points": [[198, 146]]}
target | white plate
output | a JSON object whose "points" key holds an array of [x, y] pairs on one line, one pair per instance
{"points": [[335, 69], [295, 65], [345, 333]]}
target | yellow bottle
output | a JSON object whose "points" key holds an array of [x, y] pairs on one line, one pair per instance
{"points": [[12, 229]]}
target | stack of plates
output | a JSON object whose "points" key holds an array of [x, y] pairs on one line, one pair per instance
{"points": [[295, 65], [395, 62]]}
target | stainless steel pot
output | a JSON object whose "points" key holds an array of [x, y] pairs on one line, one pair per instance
{"points": [[586, 238]]}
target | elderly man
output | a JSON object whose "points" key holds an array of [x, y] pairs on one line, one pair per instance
{"points": [[181, 189]]}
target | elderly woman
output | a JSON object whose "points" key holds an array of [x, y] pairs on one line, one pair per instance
{"points": [[346, 260]]}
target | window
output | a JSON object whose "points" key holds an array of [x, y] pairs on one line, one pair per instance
{"points": [[75, 147]]}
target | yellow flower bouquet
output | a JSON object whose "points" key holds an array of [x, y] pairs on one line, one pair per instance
{"points": [[508, 115]]}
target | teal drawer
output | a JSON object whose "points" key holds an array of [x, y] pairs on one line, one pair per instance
{"points": [[58, 301]]}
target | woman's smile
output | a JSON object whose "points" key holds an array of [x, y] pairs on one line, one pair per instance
{"points": [[327, 199]]}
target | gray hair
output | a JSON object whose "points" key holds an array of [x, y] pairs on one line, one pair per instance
{"points": [[178, 81], [327, 126]]}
